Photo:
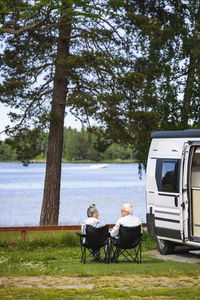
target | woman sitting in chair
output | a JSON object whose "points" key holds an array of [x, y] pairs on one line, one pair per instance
{"points": [[93, 220]]}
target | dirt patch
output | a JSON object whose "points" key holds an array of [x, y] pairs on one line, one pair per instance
{"points": [[140, 282], [125, 282], [190, 257], [46, 282]]}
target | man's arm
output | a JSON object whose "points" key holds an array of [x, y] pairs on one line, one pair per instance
{"points": [[115, 231]]}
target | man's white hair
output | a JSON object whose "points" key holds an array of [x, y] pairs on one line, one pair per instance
{"points": [[128, 207]]}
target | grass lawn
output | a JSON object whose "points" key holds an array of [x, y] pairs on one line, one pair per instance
{"points": [[47, 266]]}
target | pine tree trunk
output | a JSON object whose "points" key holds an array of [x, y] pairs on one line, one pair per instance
{"points": [[185, 111], [51, 197]]}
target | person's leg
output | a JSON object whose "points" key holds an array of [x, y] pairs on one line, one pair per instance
{"points": [[116, 252]]}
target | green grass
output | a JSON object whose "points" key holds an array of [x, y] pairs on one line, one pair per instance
{"points": [[104, 293], [59, 239], [36, 239], [54, 261], [47, 266], [58, 253]]}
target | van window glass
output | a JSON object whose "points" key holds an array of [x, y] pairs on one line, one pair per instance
{"points": [[167, 175]]}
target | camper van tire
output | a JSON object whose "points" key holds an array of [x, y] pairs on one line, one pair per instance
{"points": [[165, 247]]}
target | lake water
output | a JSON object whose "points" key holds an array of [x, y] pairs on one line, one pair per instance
{"points": [[21, 192]]}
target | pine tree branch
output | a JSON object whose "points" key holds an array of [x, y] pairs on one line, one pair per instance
{"points": [[44, 94], [21, 29]]}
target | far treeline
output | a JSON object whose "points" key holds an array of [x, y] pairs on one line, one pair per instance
{"points": [[78, 146]]}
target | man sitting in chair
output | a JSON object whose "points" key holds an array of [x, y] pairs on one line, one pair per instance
{"points": [[93, 220], [127, 220]]}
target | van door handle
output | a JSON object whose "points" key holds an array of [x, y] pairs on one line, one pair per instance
{"points": [[183, 205], [176, 201]]}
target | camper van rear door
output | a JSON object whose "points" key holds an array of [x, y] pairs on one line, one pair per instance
{"points": [[191, 191], [185, 185]]}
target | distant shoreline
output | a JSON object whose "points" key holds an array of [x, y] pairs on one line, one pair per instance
{"points": [[80, 161]]}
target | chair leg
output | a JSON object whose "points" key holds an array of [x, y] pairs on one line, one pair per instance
{"points": [[84, 255], [130, 255], [116, 254], [101, 255], [109, 251], [107, 254], [90, 256]]}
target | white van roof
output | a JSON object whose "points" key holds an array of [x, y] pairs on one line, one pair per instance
{"points": [[176, 133]]}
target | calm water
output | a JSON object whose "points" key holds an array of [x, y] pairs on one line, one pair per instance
{"points": [[21, 192]]}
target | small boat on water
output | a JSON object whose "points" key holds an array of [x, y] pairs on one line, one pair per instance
{"points": [[26, 163], [98, 166]]}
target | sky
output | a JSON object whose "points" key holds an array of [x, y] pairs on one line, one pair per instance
{"points": [[4, 121], [70, 121]]}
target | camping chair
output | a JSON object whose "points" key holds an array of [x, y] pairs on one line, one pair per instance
{"points": [[95, 244], [128, 245]]}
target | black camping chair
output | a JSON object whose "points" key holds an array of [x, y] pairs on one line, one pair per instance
{"points": [[128, 245], [95, 244]]}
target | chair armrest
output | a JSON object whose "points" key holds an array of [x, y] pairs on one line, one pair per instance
{"points": [[80, 234], [112, 238]]}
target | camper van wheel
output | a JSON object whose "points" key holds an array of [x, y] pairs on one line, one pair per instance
{"points": [[165, 247]]}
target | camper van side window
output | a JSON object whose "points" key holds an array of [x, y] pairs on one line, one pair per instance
{"points": [[167, 175]]}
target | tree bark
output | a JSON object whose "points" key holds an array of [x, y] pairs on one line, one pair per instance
{"points": [[185, 111], [51, 197]]}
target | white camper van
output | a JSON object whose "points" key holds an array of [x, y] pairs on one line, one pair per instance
{"points": [[173, 189]]}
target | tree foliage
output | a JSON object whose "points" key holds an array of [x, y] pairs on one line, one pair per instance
{"points": [[168, 37], [6, 152], [28, 144], [81, 145]]}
